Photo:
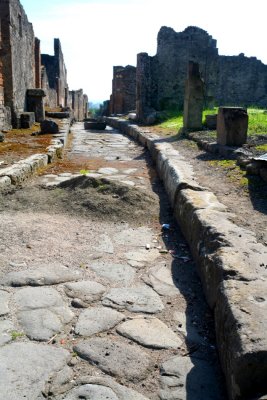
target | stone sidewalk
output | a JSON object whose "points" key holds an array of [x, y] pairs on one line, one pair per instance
{"points": [[231, 264], [102, 310]]}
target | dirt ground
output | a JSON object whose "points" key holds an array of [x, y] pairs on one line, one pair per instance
{"points": [[99, 199]]}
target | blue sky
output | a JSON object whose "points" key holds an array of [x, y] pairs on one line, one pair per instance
{"points": [[97, 34]]}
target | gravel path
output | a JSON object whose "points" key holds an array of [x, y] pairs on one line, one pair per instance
{"points": [[97, 299]]}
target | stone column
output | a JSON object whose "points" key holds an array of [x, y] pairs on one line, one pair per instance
{"points": [[143, 78], [194, 98], [232, 126], [35, 103], [37, 54]]}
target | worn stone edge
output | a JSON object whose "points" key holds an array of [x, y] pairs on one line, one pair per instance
{"points": [[24, 169], [215, 242]]}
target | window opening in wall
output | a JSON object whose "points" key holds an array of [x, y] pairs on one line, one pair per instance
{"points": [[20, 25]]}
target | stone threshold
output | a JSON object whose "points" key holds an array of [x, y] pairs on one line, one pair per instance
{"points": [[24, 169], [231, 264]]}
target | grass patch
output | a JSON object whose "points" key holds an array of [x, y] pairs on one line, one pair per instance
{"points": [[232, 171], [84, 171], [15, 335], [262, 147], [257, 120], [173, 122]]}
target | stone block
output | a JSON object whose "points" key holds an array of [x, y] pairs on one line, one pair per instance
{"points": [[241, 323], [232, 126], [2, 137], [5, 182], [211, 121], [27, 120], [49, 126], [194, 98]]}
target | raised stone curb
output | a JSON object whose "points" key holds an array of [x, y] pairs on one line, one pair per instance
{"points": [[231, 264], [22, 170]]}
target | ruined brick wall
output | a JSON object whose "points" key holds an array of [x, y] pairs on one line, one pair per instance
{"points": [[85, 106], [57, 75], [169, 66], [17, 54], [5, 112], [123, 89], [62, 85], [242, 81], [229, 80], [144, 91], [78, 104], [50, 101], [37, 55]]}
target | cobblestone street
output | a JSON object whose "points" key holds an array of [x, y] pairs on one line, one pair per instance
{"points": [[99, 295]]}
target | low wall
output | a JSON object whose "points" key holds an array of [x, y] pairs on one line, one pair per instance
{"points": [[24, 169], [231, 264]]}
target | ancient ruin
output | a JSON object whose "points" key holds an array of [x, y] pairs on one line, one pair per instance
{"points": [[232, 126], [39, 81], [123, 96], [160, 79], [194, 98], [133, 260]]}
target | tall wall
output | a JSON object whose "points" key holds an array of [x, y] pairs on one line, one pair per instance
{"points": [[123, 89], [242, 81], [78, 106], [229, 80], [50, 101], [144, 90], [169, 66], [56, 76], [17, 54]]}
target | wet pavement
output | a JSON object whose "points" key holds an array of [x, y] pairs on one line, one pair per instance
{"points": [[99, 309]]}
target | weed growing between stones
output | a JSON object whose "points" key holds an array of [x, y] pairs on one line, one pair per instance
{"points": [[15, 335]]}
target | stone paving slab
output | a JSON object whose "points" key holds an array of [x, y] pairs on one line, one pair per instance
{"points": [[96, 320], [150, 332], [95, 387], [139, 299], [40, 276], [26, 367], [162, 281], [41, 312], [117, 273], [87, 291], [6, 328], [4, 299], [115, 358]]}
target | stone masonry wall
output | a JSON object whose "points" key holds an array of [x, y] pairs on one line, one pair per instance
{"points": [[229, 80], [50, 101], [123, 89], [57, 76], [169, 66], [78, 104], [242, 81], [16, 54]]}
